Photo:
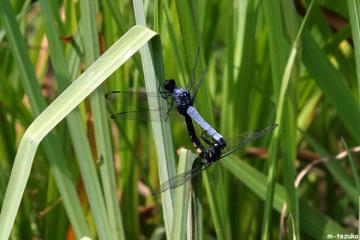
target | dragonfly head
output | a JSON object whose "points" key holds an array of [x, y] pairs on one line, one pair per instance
{"points": [[169, 84]]}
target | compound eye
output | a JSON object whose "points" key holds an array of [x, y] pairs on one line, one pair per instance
{"points": [[169, 84], [172, 82]]}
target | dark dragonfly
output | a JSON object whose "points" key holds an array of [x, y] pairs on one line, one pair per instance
{"points": [[212, 154], [183, 98]]}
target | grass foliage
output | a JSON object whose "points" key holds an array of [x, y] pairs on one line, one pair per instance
{"points": [[296, 63]]}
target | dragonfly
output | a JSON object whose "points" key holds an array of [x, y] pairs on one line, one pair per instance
{"points": [[202, 163], [182, 99]]}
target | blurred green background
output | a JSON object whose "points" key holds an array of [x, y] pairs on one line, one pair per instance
{"points": [[264, 64]]}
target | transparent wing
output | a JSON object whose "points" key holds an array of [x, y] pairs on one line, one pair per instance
{"points": [[238, 142], [135, 105], [140, 94], [157, 115], [207, 138], [195, 89], [194, 84], [192, 81], [182, 178]]}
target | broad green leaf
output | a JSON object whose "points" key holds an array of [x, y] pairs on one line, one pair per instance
{"points": [[154, 75], [95, 74]]}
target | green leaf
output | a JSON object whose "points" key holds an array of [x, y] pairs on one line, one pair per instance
{"points": [[182, 201], [285, 113], [332, 85], [52, 144], [154, 74], [190, 29], [354, 12], [107, 216], [312, 221], [98, 72]]}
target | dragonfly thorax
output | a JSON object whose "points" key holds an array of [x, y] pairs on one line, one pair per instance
{"points": [[182, 99]]}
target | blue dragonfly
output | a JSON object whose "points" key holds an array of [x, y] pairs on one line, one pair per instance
{"points": [[213, 154]]}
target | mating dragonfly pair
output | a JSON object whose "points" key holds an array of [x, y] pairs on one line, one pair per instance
{"points": [[183, 99]]}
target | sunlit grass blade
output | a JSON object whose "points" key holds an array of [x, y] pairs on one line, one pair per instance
{"points": [[98, 72], [196, 223], [182, 199], [52, 144], [154, 75], [78, 133]]}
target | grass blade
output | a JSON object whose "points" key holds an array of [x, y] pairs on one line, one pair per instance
{"points": [[182, 199], [98, 72], [52, 144], [331, 84], [190, 29], [354, 12], [312, 221], [280, 114], [196, 227], [278, 51], [152, 67], [102, 132]]}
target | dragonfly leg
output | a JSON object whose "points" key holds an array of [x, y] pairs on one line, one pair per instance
{"points": [[203, 161], [164, 94], [167, 112], [205, 139]]}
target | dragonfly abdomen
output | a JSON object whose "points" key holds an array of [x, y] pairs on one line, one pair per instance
{"points": [[200, 149], [195, 115]]}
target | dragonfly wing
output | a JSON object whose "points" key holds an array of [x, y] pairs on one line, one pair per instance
{"points": [[191, 83], [137, 105], [195, 89], [141, 99], [156, 115], [245, 138], [194, 84], [207, 138], [182, 178], [140, 95]]}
